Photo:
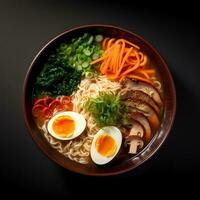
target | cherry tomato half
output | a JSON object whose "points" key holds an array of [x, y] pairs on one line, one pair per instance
{"points": [[69, 106], [48, 100], [37, 110], [59, 107], [40, 102], [44, 101], [47, 113], [65, 99], [54, 104]]}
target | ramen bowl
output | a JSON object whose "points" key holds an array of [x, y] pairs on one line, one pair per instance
{"points": [[122, 165]]}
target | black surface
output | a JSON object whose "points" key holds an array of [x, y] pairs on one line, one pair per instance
{"points": [[27, 25]]}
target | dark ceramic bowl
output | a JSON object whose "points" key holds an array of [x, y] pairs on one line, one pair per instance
{"points": [[168, 94]]}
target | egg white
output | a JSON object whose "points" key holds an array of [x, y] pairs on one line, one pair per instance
{"points": [[115, 133], [80, 124]]}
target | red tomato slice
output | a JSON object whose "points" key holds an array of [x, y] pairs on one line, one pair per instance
{"points": [[47, 113], [69, 106], [65, 99], [48, 100], [40, 102], [53, 104], [59, 107], [44, 101], [37, 110]]}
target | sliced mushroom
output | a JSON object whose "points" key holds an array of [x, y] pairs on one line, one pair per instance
{"points": [[137, 129], [135, 137], [146, 110], [139, 95], [144, 122], [146, 88], [135, 143]]}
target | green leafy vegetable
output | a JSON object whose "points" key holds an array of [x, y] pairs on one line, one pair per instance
{"points": [[56, 78], [107, 109], [64, 68]]}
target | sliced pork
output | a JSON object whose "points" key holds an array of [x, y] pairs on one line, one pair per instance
{"points": [[146, 110], [139, 95], [146, 88], [144, 122]]}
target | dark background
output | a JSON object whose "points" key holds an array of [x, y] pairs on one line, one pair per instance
{"points": [[173, 29]]}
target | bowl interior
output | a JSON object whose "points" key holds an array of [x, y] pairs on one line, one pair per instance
{"points": [[168, 96]]}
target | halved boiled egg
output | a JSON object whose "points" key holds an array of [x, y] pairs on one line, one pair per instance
{"points": [[66, 125], [106, 145]]}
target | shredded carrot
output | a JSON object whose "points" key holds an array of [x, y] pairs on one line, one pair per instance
{"points": [[131, 44], [97, 60], [145, 74], [110, 42], [150, 71], [121, 59], [104, 43], [139, 78]]}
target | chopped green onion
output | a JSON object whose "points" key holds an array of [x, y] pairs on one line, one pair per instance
{"points": [[95, 56], [85, 65], [90, 40], [85, 35], [88, 74], [98, 38], [87, 52], [80, 52], [79, 68]]}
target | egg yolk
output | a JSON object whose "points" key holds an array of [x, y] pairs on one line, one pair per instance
{"points": [[64, 126], [105, 145]]}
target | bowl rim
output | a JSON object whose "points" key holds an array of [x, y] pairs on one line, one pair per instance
{"points": [[173, 97]]}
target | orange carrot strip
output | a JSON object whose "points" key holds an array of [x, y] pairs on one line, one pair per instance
{"points": [[133, 68], [124, 59], [149, 71], [144, 61], [105, 67], [133, 45], [110, 42], [105, 42], [101, 66], [112, 60], [97, 60], [121, 52], [139, 78], [133, 53], [121, 79], [141, 55], [105, 55], [117, 60], [144, 73]]}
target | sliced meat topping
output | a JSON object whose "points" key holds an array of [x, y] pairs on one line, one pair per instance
{"points": [[146, 110], [144, 122], [146, 88], [144, 97]]}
